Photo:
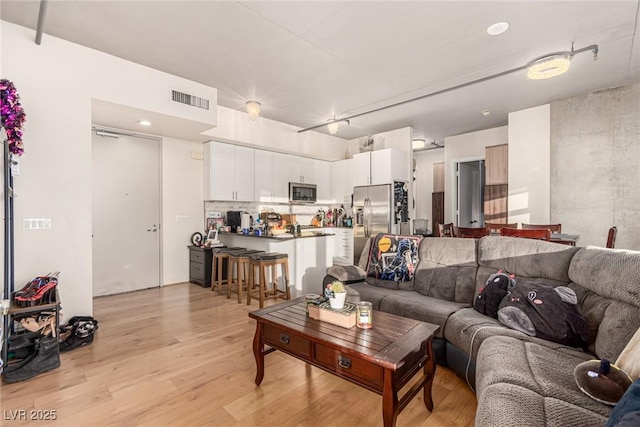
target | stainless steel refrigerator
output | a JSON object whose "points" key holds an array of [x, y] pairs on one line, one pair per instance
{"points": [[373, 207]]}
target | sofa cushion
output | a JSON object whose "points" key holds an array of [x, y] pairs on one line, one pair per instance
{"points": [[533, 261], [364, 292], [535, 374], [466, 327], [420, 307], [508, 405], [447, 269], [607, 283]]}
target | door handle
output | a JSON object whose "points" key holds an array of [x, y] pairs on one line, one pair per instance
{"points": [[153, 228]]}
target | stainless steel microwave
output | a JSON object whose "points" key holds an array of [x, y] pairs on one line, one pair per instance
{"points": [[302, 193]]}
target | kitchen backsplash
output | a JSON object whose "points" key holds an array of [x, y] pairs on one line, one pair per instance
{"points": [[304, 213]]}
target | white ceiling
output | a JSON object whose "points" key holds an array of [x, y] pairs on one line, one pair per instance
{"points": [[308, 61]]}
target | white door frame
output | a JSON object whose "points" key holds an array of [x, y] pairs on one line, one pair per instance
{"points": [[159, 139], [453, 176]]}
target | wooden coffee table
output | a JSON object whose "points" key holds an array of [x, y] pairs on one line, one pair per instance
{"points": [[382, 359]]}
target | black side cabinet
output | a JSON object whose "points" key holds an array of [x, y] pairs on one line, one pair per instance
{"points": [[200, 266]]}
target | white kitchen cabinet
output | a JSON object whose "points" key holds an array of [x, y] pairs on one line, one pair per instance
{"points": [[263, 177], [243, 173], [381, 167], [228, 172], [313, 255], [342, 180], [322, 179], [344, 243], [282, 174], [362, 163]]}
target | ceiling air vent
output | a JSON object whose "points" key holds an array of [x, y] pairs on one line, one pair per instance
{"points": [[185, 98]]}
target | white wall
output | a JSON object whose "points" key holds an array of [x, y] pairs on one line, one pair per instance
{"points": [[181, 196], [529, 170], [462, 148], [236, 127], [57, 81], [424, 181]]}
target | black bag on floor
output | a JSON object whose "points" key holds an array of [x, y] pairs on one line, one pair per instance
{"points": [[77, 333]]}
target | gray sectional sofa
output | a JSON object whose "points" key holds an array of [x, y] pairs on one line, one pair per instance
{"points": [[519, 380]]}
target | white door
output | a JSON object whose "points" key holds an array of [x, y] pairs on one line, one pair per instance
{"points": [[126, 214]]}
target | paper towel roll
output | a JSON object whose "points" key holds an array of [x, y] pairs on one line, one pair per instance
{"points": [[245, 221]]}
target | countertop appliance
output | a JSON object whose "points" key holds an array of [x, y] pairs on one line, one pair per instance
{"points": [[302, 192], [378, 209], [234, 220]]}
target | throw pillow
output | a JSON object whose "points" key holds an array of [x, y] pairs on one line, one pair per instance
{"points": [[629, 359], [601, 381], [543, 311], [393, 257], [490, 296]]}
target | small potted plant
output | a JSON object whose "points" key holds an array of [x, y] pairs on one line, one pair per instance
{"points": [[336, 293]]}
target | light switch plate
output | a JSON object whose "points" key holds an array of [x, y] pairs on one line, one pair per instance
{"points": [[36, 223]]}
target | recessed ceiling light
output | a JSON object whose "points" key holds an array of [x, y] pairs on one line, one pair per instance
{"points": [[144, 122], [497, 28], [418, 144], [485, 113]]}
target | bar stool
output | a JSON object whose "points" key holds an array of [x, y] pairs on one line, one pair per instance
{"points": [[220, 256], [265, 289], [239, 261]]}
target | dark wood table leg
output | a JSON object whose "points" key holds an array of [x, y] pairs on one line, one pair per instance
{"points": [[389, 399], [258, 353], [429, 372]]}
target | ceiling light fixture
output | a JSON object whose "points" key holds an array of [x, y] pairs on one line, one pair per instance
{"points": [[333, 125], [497, 28], [485, 113], [253, 109], [593, 48], [417, 144], [144, 122], [549, 66]]}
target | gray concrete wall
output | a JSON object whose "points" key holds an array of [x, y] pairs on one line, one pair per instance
{"points": [[595, 166]]}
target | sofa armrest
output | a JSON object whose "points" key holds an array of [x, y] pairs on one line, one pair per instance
{"points": [[351, 273]]}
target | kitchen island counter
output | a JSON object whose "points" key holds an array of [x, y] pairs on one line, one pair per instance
{"points": [[288, 237], [309, 257]]}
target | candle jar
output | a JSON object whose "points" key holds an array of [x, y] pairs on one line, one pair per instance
{"points": [[364, 315]]}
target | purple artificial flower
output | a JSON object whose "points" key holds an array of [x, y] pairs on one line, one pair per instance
{"points": [[12, 116]]}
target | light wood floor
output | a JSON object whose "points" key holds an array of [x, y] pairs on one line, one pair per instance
{"points": [[180, 356]]}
